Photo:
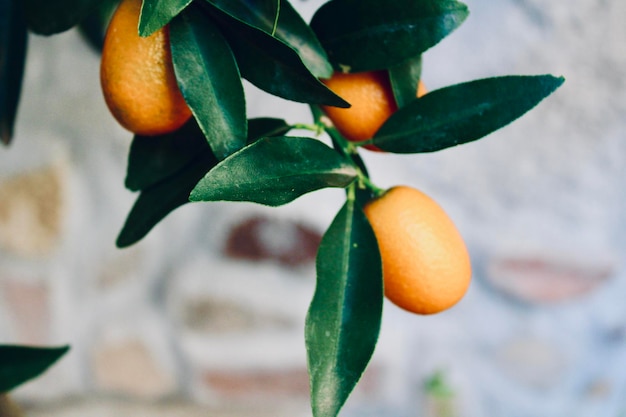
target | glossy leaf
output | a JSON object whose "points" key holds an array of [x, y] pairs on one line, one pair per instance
{"points": [[47, 17], [154, 158], [157, 201], [20, 364], [273, 66], [275, 171], [290, 28], [462, 113], [209, 79], [13, 43], [405, 80], [363, 35], [263, 127], [344, 317], [157, 13]]}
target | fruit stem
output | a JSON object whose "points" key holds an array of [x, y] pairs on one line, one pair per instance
{"points": [[351, 192], [318, 128], [365, 182]]}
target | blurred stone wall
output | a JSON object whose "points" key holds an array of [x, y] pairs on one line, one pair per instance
{"points": [[209, 308]]}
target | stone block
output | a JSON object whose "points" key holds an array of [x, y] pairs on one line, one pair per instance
{"points": [[548, 277], [32, 211]]}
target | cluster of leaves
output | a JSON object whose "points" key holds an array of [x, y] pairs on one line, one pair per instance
{"points": [[222, 155]]}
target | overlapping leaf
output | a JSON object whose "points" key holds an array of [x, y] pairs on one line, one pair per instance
{"points": [[209, 79], [19, 364], [13, 40], [263, 127], [157, 201], [47, 17], [344, 318], [404, 80], [280, 19], [155, 158], [363, 35], [273, 66], [166, 168], [275, 171], [462, 113], [157, 13]]}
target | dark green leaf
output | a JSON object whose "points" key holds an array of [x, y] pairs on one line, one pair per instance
{"points": [[364, 35], [47, 17], [264, 127], [157, 13], [154, 158], [156, 202], [273, 66], [13, 40], [19, 364], [209, 79], [93, 27], [291, 28], [462, 113], [405, 79], [275, 171], [344, 318]]}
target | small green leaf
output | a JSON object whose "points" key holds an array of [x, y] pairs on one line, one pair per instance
{"points": [[273, 66], [154, 158], [263, 127], [19, 364], [47, 17], [209, 79], [364, 35], [157, 13], [462, 113], [157, 201], [290, 28], [13, 43], [275, 171], [343, 321], [405, 80]]}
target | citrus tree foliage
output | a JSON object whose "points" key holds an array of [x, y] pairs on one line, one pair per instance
{"points": [[222, 155]]}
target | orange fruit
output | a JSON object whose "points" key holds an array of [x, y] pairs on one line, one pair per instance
{"points": [[426, 266], [137, 76], [372, 102]]}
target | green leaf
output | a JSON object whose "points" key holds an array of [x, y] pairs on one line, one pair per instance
{"points": [[462, 113], [157, 13], [47, 17], [157, 201], [290, 28], [209, 79], [13, 42], [405, 79], [273, 66], [275, 171], [364, 35], [264, 127], [344, 317], [93, 27], [154, 158], [19, 364]]}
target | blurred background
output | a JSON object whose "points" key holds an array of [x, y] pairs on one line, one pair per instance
{"points": [[206, 315]]}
